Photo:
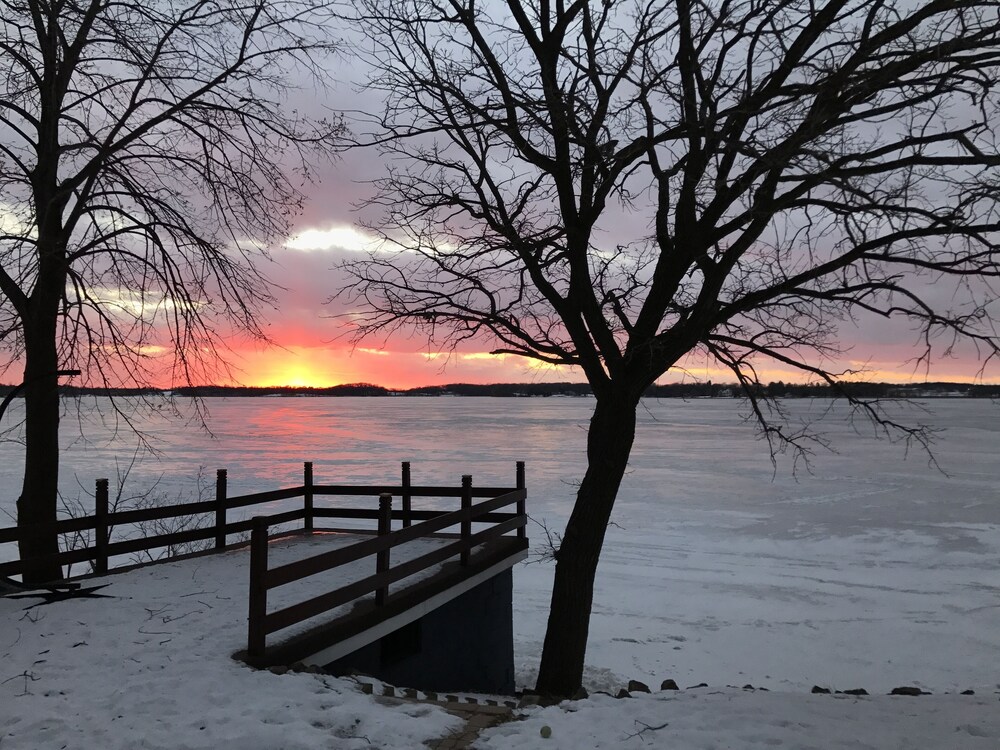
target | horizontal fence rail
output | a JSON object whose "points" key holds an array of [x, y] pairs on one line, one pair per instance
{"points": [[263, 578], [95, 532]]}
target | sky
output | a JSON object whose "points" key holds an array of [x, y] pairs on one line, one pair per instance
{"points": [[311, 345], [312, 348]]}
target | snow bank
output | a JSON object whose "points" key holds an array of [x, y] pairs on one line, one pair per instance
{"points": [[707, 719], [150, 667]]}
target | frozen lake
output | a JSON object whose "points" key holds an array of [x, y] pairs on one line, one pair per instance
{"points": [[876, 569]]}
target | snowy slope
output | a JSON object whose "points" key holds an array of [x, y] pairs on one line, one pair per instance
{"points": [[150, 667]]}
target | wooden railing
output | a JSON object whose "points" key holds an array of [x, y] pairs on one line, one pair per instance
{"points": [[102, 551], [263, 579]]}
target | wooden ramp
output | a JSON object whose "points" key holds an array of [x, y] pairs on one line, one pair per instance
{"points": [[367, 623], [433, 602]]}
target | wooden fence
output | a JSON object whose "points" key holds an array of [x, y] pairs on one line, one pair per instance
{"points": [[261, 623], [102, 550]]}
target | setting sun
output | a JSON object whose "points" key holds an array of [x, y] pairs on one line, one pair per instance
{"points": [[298, 376], [302, 366]]}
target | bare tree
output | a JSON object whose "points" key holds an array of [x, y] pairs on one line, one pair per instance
{"points": [[149, 153], [616, 185]]}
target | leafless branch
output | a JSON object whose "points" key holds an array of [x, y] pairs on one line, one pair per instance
{"points": [[614, 186]]}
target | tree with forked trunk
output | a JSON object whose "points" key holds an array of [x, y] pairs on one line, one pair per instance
{"points": [[615, 186], [149, 153]]}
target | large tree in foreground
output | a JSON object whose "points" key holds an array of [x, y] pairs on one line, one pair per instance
{"points": [[615, 185], [148, 154]]}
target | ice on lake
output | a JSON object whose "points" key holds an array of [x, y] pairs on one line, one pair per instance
{"points": [[872, 568]]}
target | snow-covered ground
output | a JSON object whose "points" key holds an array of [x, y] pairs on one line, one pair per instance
{"points": [[734, 719], [150, 667], [873, 571]]}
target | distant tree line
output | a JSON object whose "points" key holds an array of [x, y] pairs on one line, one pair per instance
{"points": [[706, 389]]}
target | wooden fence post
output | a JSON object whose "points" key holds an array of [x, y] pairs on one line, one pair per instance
{"points": [[256, 634], [101, 527], [466, 519], [220, 508], [382, 557], [307, 494], [521, 508], [407, 520]]}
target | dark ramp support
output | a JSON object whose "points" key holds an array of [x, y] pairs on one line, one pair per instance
{"points": [[467, 644]]}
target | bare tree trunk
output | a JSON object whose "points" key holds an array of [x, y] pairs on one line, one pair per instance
{"points": [[101, 107], [36, 507], [609, 441], [740, 132]]}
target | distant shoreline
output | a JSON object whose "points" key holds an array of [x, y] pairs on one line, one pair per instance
{"points": [[576, 390]]}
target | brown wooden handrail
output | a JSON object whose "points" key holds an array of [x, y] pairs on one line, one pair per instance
{"points": [[102, 523], [296, 571], [263, 579], [317, 605]]}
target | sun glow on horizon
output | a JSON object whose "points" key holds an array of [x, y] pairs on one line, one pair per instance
{"points": [[333, 364], [299, 377], [329, 364]]}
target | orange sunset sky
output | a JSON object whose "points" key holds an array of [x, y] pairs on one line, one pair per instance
{"points": [[331, 364], [311, 349]]}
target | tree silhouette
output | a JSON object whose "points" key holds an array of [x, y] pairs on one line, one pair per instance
{"points": [[616, 185], [149, 152]]}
